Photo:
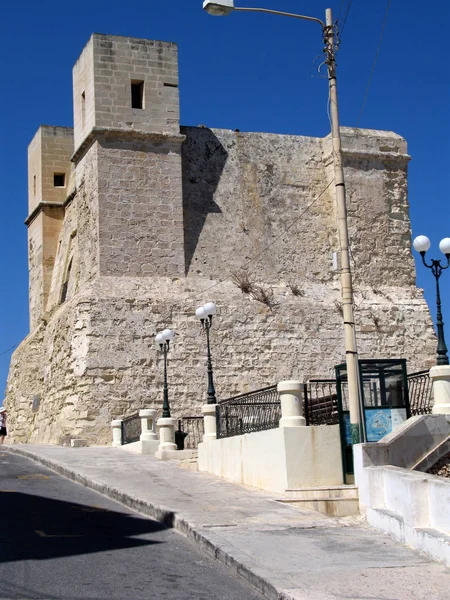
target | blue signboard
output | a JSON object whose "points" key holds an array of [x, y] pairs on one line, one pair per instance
{"points": [[379, 422]]}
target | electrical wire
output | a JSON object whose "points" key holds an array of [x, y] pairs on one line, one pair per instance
{"points": [[344, 20], [9, 349], [372, 71], [340, 10]]}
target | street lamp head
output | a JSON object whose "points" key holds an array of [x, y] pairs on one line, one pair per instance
{"points": [[210, 309], [159, 340], [444, 247], [421, 244], [218, 8], [200, 313], [167, 335]]}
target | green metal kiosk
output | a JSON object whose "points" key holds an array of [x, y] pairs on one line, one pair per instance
{"points": [[384, 403]]}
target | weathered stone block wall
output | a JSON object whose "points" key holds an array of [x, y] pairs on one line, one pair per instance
{"points": [[151, 231], [84, 94], [35, 270], [140, 205], [77, 261], [243, 191], [97, 358]]}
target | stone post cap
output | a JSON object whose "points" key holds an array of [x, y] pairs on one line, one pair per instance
{"points": [[116, 423], [440, 371], [208, 409], [166, 422], [290, 386], [147, 412]]}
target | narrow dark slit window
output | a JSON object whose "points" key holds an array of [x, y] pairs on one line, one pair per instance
{"points": [[59, 180], [83, 109], [137, 94], [172, 85], [65, 285], [34, 185]]}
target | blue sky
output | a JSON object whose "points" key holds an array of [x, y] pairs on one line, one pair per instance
{"points": [[247, 71]]}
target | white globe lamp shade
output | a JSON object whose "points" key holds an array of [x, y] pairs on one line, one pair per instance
{"points": [[159, 339], [421, 243], [444, 246], [168, 335], [218, 8], [210, 309], [200, 312]]}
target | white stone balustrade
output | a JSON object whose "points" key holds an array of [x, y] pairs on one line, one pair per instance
{"points": [[166, 427], [116, 426], [440, 377], [148, 425], [209, 418], [291, 397]]}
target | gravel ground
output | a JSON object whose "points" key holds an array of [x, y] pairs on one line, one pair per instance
{"points": [[442, 467]]}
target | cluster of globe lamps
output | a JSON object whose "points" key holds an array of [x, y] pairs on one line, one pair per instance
{"points": [[205, 313], [422, 244]]}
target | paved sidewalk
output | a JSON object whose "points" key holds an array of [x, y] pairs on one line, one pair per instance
{"points": [[282, 551]]}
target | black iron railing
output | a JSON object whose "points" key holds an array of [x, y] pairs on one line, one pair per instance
{"points": [[256, 411], [194, 429], [321, 406], [131, 429], [420, 393]]}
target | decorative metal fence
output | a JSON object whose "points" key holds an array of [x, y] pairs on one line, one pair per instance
{"points": [[194, 429], [131, 429], [256, 411], [420, 393], [321, 406]]}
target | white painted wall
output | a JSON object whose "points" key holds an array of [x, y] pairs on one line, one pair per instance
{"points": [[278, 459], [411, 506]]}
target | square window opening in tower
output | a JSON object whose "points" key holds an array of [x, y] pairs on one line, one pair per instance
{"points": [[59, 180], [137, 94]]}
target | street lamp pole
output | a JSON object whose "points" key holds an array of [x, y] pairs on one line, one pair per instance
{"points": [[422, 244], [205, 314], [225, 7], [163, 341]]}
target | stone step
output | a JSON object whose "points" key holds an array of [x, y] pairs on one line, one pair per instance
{"points": [[323, 492], [336, 501]]}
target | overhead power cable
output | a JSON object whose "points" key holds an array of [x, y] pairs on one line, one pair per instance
{"points": [[9, 349], [345, 17], [372, 71]]}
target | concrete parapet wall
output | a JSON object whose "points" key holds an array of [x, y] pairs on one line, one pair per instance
{"points": [[278, 459], [408, 444], [411, 506]]}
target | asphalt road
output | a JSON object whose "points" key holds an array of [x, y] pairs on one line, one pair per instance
{"points": [[61, 541]]}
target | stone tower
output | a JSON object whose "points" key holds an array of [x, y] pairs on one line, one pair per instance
{"points": [[134, 221], [127, 155], [50, 176]]}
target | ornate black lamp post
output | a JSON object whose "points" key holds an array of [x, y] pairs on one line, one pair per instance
{"points": [[205, 313], [422, 244], [163, 340]]}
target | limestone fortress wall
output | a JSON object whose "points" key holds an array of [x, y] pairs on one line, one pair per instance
{"points": [[134, 221]]}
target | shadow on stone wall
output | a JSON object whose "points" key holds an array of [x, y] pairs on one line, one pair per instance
{"points": [[203, 161]]}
